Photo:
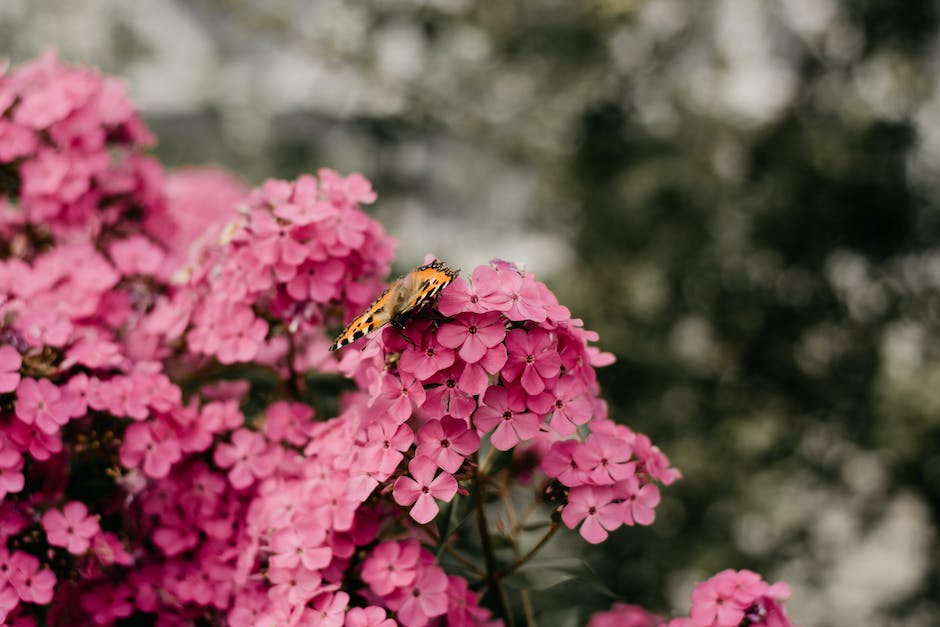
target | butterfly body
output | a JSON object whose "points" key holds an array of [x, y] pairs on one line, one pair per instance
{"points": [[404, 296]]}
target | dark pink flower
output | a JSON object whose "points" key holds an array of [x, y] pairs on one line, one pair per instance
{"points": [[426, 359], [532, 358], [504, 410], [72, 528], [447, 442], [570, 405], [32, 583], [422, 487], [447, 398], [560, 462]]}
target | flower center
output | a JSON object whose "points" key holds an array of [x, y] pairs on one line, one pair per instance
{"points": [[529, 359], [507, 415], [474, 299], [472, 328], [445, 443]]}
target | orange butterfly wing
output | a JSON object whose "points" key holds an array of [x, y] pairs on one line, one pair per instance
{"points": [[405, 295]]}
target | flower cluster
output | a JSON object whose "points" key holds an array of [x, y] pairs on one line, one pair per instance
{"points": [[297, 252], [729, 599], [177, 444], [71, 165]]}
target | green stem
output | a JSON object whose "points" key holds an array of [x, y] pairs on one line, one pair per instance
{"points": [[492, 572], [535, 549]]}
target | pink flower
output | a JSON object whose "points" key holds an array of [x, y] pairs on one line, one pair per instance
{"points": [[317, 281], [422, 488], [32, 583], [421, 601], [402, 391], [525, 296], [473, 334], [391, 565], [72, 528], [447, 397], [505, 410], [137, 255], [10, 362], [300, 544], [248, 457], [40, 403], [16, 140], [605, 458], [640, 502], [485, 293], [570, 406], [294, 586], [385, 443], [151, 444], [242, 335], [722, 600], [463, 609], [11, 468], [370, 616], [625, 615], [329, 609], [426, 359], [533, 356], [108, 602], [596, 507], [447, 442]]}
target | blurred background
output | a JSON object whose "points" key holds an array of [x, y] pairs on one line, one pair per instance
{"points": [[740, 196]]}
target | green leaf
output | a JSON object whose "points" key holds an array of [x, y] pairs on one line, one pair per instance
{"points": [[545, 573], [453, 515]]}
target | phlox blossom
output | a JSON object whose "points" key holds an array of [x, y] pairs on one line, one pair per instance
{"points": [[10, 362], [391, 565], [595, 509], [447, 442], [72, 527], [503, 411], [422, 487], [40, 402]]}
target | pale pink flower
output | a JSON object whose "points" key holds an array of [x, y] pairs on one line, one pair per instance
{"points": [[40, 402], [10, 362]]}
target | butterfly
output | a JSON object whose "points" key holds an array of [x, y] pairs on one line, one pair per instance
{"points": [[404, 296]]}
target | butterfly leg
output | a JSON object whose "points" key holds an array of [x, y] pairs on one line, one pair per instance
{"points": [[401, 331]]}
